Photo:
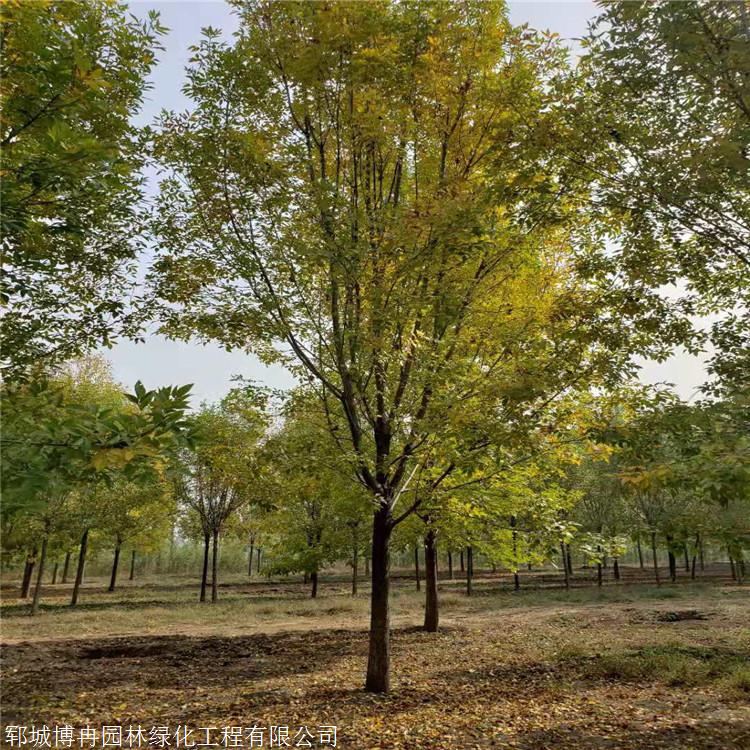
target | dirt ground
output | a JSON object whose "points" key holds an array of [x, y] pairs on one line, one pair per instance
{"points": [[626, 667]]}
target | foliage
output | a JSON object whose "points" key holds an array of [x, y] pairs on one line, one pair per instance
{"points": [[74, 75]]}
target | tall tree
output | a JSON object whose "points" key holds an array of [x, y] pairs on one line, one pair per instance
{"points": [[361, 191]]}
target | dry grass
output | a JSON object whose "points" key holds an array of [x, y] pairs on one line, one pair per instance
{"points": [[624, 667]]}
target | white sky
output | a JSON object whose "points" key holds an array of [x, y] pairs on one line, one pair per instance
{"points": [[161, 362]]}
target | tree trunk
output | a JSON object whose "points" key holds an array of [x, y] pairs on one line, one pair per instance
{"points": [[367, 566], [461, 562], [692, 566], [672, 560], [731, 565], [40, 573], [450, 565], [469, 569], [640, 552], [656, 561], [258, 555], [616, 568], [355, 566], [66, 566], [79, 569], [514, 536], [570, 560], [115, 565], [215, 568], [204, 574], [564, 565], [250, 558], [378, 663], [416, 566], [314, 582], [431, 615], [54, 572], [700, 553], [132, 566], [687, 557], [28, 572], [599, 567]]}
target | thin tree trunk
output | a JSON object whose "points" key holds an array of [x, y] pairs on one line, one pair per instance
{"points": [[416, 566], [672, 561], [599, 567], [367, 566], [250, 558], [115, 565], [695, 556], [54, 572], [258, 556], [378, 663], [40, 573], [450, 565], [431, 613], [204, 574], [66, 566], [79, 569], [469, 569], [564, 564], [731, 564], [640, 552], [656, 561], [355, 569], [687, 557], [314, 581], [700, 553], [569, 559], [616, 568], [215, 568], [132, 565], [28, 571], [462, 562]]}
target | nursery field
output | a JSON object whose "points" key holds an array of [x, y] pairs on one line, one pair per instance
{"points": [[625, 666]]}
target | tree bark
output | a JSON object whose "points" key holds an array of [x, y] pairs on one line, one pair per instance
{"points": [[461, 562], [687, 557], [656, 561], [66, 566], [367, 566], [54, 572], [616, 568], [700, 553], [416, 566], [450, 565], [564, 564], [215, 568], [469, 569], [204, 575], [640, 552], [258, 555], [40, 573], [79, 569], [431, 612], [570, 560], [378, 663], [314, 582], [132, 566], [28, 572], [599, 567], [115, 565]]}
